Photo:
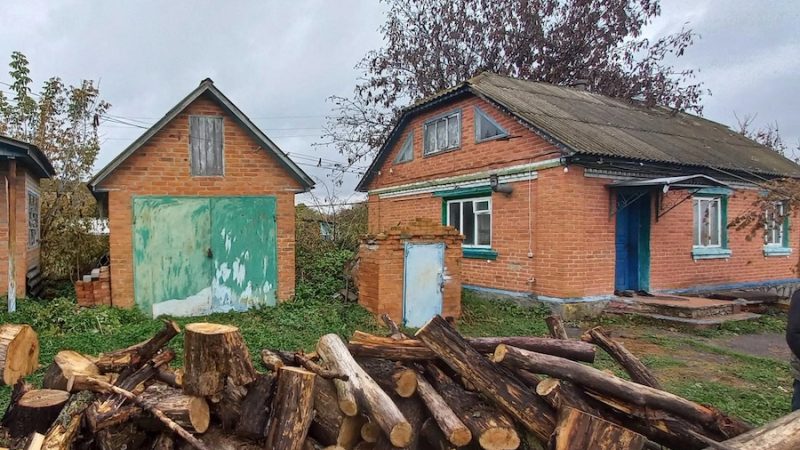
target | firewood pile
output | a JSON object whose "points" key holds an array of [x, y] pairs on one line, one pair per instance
{"points": [[435, 390]]}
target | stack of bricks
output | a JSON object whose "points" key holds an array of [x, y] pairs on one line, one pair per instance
{"points": [[95, 288], [381, 267]]}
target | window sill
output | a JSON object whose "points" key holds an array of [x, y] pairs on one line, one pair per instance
{"points": [[711, 253], [776, 250], [479, 253], [493, 138]]}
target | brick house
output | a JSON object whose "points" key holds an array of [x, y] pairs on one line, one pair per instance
{"points": [[569, 196], [22, 166], [201, 212]]}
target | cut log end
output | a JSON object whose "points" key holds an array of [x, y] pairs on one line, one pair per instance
{"points": [[19, 352], [199, 414], [461, 437], [401, 434], [406, 383], [348, 407], [39, 398], [499, 438], [499, 353]]}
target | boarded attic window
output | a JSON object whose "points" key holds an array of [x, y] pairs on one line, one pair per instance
{"points": [[486, 128], [407, 152], [205, 144]]}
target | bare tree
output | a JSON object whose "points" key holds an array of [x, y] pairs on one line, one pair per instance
{"points": [[431, 45], [769, 135]]}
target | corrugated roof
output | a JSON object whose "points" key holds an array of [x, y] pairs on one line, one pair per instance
{"points": [[206, 87], [28, 154], [593, 124]]}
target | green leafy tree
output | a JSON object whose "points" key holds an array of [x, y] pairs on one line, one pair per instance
{"points": [[63, 121]]}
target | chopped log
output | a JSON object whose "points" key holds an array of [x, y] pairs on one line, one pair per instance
{"points": [[414, 412], [450, 425], [391, 376], [292, 409], [633, 366], [274, 360], [229, 407], [371, 346], [255, 408], [35, 441], [370, 396], [145, 351], [173, 377], [331, 426], [346, 394], [164, 441], [100, 421], [21, 387], [67, 364], [123, 436], [65, 428], [492, 428], [496, 383], [562, 394], [604, 383], [36, 410], [19, 352], [191, 413], [780, 434], [312, 444], [577, 430], [214, 353], [217, 439], [370, 432], [433, 437], [556, 327], [96, 385]]}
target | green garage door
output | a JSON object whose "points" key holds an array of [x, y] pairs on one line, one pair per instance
{"points": [[197, 255]]}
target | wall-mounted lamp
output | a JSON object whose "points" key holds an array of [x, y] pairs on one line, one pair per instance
{"points": [[494, 182]]}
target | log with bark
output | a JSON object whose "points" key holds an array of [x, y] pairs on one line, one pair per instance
{"points": [[369, 395], [145, 351], [454, 430], [255, 408], [638, 372], [36, 410], [216, 439], [67, 364], [21, 387], [577, 430], [556, 327], [64, 429], [414, 412], [495, 382], [371, 346], [780, 434], [607, 384], [292, 409], [227, 407], [19, 352], [164, 441], [391, 376], [330, 425], [433, 438], [124, 436], [191, 413], [213, 355]]}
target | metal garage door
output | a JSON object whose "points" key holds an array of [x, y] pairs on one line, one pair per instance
{"points": [[197, 255]]}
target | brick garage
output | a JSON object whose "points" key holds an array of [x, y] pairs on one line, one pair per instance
{"points": [[554, 236], [158, 165], [382, 267]]}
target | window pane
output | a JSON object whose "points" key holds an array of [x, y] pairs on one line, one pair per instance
{"points": [[454, 215], [484, 229], [469, 224], [441, 135], [696, 223], [453, 133], [713, 217], [430, 138], [482, 206]]}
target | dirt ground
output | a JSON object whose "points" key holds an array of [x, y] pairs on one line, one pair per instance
{"points": [[768, 345]]}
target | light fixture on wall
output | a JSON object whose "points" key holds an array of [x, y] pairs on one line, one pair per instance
{"points": [[494, 182]]}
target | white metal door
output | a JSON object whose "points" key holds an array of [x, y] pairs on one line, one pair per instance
{"points": [[423, 282]]}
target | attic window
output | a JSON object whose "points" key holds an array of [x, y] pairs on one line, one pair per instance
{"points": [[206, 145], [407, 151], [486, 128], [443, 133]]}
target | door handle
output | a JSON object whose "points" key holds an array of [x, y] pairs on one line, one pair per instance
{"points": [[209, 253], [440, 279]]}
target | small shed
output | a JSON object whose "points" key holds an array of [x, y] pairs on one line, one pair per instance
{"points": [[22, 165], [201, 212], [411, 272]]}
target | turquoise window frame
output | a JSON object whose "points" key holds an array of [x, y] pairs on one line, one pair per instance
{"points": [[464, 193], [722, 251], [784, 248]]}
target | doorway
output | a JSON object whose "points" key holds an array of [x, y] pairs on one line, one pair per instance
{"points": [[632, 271]]}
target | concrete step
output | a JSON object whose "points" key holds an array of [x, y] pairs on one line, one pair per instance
{"points": [[675, 306], [698, 323]]}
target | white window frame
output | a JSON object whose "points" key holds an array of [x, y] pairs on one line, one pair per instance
{"points": [[696, 201], [34, 226], [434, 149], [771, 225], [475, 213]]}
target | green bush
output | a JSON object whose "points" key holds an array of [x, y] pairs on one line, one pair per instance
{"points": [[320, 276]]}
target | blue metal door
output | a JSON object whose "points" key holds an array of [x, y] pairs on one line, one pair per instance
{"points": [[632, 270], [423, 282]]}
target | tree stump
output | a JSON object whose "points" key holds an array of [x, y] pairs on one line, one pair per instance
{"points": [[292, 409], [35, 411], [192, 413], [19, 352], [66, 365], [214, 353], [577, 430]]}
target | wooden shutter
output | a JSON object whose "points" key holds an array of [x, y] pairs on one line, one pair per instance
{"points": [[205, 145]]}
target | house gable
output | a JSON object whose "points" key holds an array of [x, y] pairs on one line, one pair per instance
{"points": [[208, 93], [519, 146]]}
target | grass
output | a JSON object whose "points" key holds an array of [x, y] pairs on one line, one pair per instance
{"points": [[754, 388]]}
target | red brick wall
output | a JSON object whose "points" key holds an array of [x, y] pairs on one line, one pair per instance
{"points": [[161, 167], [673, 267], [25, 257], [381, 267]]}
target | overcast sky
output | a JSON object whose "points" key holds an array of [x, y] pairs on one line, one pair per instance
{"points": [[280, 60]]}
